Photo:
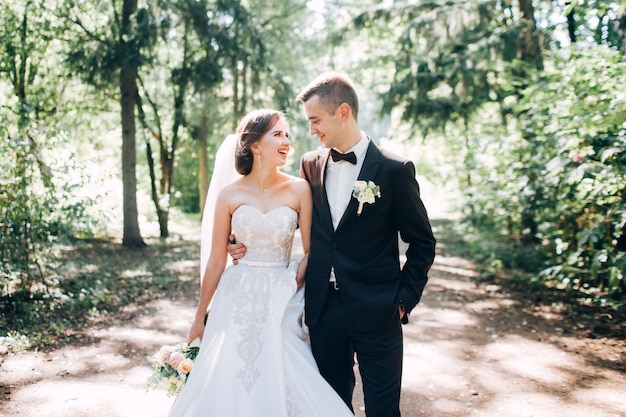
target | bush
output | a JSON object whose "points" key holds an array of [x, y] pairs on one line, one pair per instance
{"points": [[555, 199], [38, 207]]}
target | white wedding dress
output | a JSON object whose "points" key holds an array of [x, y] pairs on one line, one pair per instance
{"points": [[254, 360]]}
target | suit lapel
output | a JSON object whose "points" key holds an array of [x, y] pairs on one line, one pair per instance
{"points": [[371, 165], [322, 197]]}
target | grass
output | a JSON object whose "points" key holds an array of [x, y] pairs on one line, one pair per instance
{"points": [[90, 281]]}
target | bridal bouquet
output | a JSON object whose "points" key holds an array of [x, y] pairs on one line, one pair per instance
{"points": [[173, 364]]}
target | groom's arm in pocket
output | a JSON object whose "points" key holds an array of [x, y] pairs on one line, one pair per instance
{"points": [[414, 227]]}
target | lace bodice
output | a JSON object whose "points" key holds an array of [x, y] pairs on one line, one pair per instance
{"points": [[268, 236]]}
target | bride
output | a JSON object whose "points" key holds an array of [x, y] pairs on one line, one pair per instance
{"points": [[254, 359]]}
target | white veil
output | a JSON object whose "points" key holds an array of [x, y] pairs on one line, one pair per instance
{"points": [[224, 173]]}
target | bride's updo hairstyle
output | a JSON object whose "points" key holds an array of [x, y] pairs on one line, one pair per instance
{"points": [[251, 129]]}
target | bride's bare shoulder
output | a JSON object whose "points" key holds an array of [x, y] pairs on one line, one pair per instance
{"points": [[296, 182], [231, 188], [233, 192], [298, 187]]}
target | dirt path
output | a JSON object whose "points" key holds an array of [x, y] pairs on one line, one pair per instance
{"points": [[471, 349]]}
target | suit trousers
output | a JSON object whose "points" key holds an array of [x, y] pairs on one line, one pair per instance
{"points": [[335, 341]]}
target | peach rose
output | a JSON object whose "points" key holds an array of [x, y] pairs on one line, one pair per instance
{"points": [[185, 366]]}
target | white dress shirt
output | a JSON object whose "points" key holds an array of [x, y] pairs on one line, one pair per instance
{"points": [[339, 183], [340, 179]]}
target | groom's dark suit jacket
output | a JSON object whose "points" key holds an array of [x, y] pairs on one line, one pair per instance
{"points": [[364, 249]]}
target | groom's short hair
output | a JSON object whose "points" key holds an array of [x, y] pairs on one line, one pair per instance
{"points": [[333, 89]]}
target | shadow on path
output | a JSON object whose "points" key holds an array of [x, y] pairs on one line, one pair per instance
{"points": [[472, 348]]}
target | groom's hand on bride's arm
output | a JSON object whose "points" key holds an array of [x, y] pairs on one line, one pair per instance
{"points": [[236, 250]]}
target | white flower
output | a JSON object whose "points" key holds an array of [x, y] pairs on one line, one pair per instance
{"points": [[365, 192]]}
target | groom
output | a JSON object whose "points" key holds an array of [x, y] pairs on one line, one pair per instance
{"points": [[356, 293]]}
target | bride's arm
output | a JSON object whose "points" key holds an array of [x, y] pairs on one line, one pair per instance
{"points": [[305, 214], [215, 265]]}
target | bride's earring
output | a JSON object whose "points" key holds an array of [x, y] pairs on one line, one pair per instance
{"points": [[260, 164]]}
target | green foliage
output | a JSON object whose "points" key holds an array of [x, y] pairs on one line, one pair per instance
{"points": [[28, 45], [599, 22], [101, 43], [577, 114], [444, 58], [538, 154], [187, 195], [38, 207], [560, 187]]}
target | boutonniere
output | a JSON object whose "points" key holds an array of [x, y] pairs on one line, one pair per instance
{"points": [[365, 192]]}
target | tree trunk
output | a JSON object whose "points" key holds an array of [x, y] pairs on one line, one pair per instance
{"points": [[571, 23], [128, 89], [235, 72], [621, 30], [128, 92], [243, 102], [161, 216], [20, 75], [530, 52], [530, 49], [203, 172]]}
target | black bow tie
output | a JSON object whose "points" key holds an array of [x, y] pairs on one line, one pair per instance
{"points": [[338, 156]]}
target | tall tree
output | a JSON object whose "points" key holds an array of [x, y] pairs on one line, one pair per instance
{"points": [[262, 73], [107, 51], [529, 49], [256, 72], [187, 62], [128, 101]]}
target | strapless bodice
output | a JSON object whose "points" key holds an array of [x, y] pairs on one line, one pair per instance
{"points": [[268, 236]]}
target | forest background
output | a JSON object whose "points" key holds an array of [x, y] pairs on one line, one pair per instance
{"points": [[111, 112]]}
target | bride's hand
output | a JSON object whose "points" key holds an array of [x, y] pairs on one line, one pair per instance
{"points": [[301, 271], [197, 329], [299, 282]]}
